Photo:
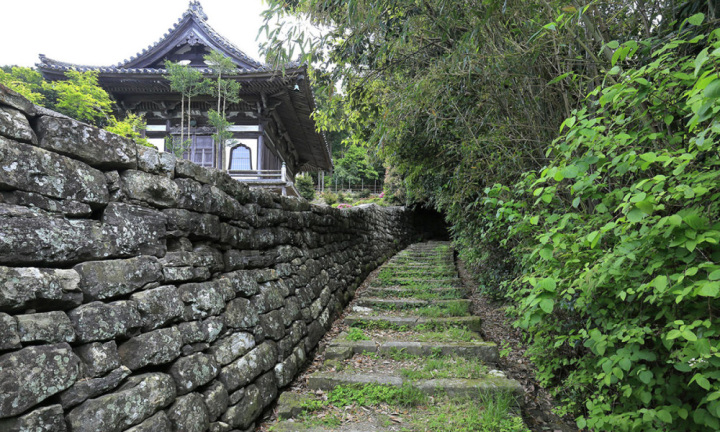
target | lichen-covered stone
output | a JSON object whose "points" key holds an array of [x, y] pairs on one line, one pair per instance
{"points": [[201, 300], [14, 125], [35, 237], [154, 162], [158, 306], [33, 374], [201, 331], [133, 402], [246, 259], [85, 389], [247, 368], [15, 100], [89, 144], [268, 388], [112, 278], [193, 371], [134, 230], [189, 414], [236, 237], [243, 282], [242, 414], [270, 325], [240, 313], [98, 358], [291, 310], [285, 371], [157, 423], [9, 337], [49, 327], [185, 274], [32, 169], [155, 190], [152, 348], [216, 399], [270, 297], [187, 169], [232, 346], [44, 419], [192, 224], [69, 208], [99, 321]]}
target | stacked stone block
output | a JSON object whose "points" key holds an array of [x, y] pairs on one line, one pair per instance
{"points": [[141, 292]]}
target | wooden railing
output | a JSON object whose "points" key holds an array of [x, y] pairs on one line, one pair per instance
{"points": [[265, 178]]}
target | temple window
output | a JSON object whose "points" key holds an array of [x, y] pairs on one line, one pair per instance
{"points": [[240, 158]]}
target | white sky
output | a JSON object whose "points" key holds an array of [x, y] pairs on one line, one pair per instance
{"points": [[103, 33]]}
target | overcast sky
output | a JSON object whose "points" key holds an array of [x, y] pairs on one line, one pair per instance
{"points": [[103, 33]]}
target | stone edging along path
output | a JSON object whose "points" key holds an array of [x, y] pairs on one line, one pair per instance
{"points": [[410, 359]]}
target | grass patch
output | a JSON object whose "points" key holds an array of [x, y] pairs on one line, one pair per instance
{"points": [[422, 294], [484, 414], [374, 394], [454, 334], [446, 367], [379, 325], [355, 334], [450, 309]]}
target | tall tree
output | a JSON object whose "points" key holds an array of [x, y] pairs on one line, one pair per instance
{"points": [[189, 83], [226, 91]]}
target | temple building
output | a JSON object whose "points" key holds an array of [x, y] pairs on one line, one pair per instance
{"points": [[273, 134]]}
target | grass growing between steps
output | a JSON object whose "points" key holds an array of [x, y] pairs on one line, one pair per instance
{"points": [[445, 367], [421, 294], [413, 367], [411, 410], [450, 309], [485, 414], [452, 334], [355, 334]]}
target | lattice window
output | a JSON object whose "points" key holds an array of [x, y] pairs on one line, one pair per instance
{"points": [[240, 159]]}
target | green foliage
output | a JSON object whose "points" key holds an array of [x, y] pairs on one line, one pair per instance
{"points": [[131, 127], [354, 165], [329, 198], [481, 414], [356, 334], [620, 246], [447, 309], [189, 82], [26, 81], [440, 367], [306, 187], [80, 97], [374, 394]]}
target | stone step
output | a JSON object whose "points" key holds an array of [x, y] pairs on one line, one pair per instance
{"points": [[409, 292], [472, 323], [343, 349], [494, 383], [447, 282], [404, 303], [424, 273]]}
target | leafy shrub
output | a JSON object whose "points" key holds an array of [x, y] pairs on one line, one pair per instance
{"points": [[356, 334], [365, 193], [341, 197], [329, 198], [619, 239], [305, 186]]}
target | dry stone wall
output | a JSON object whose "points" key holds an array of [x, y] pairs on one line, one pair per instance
{"points": [[140, 292]]}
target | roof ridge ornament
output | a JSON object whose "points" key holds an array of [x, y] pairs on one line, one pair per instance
{"points": [[197, 9]]}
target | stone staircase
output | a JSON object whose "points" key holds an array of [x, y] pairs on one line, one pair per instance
{"points": [[410, 359]]}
